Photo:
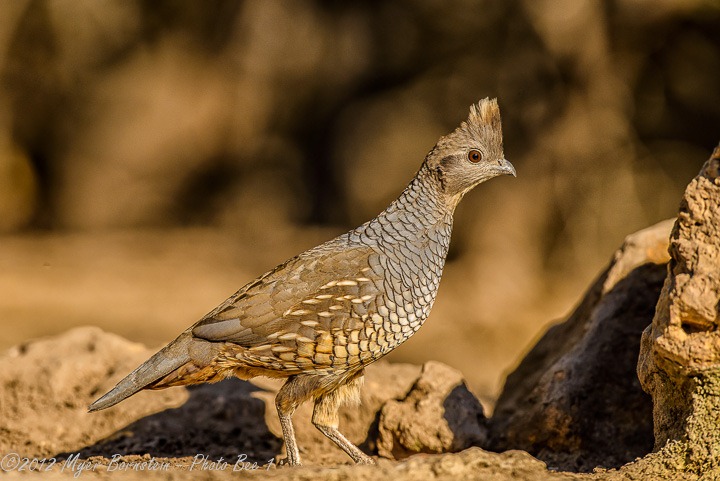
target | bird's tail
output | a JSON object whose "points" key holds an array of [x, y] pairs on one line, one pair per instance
{"points": [[168, 359]]}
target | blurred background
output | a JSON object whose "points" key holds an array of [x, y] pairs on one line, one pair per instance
{"points": [[157, 155]]}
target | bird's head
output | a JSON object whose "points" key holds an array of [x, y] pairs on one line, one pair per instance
{"points": [[472, 154]]}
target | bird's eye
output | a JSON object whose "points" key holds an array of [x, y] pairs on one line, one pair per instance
{"points": [[474, 156]]}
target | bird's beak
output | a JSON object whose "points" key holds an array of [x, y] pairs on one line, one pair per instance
{"points": [[507, 168]]}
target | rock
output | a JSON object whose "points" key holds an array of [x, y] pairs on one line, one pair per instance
{"points": [[575, 401], [48, 383], [679, 361], [438, 415]]}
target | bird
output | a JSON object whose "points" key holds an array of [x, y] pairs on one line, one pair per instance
{"points": [[320, 318]]}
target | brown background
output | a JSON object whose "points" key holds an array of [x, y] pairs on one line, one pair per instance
{"points": [[157, 155]]}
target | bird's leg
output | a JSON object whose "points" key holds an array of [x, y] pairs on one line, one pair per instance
{"points": [[326, 419], [286, 402]]}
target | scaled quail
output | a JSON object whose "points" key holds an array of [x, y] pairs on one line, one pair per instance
{"points": [[321, 317]]}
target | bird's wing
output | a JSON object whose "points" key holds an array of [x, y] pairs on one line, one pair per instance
{"points": [[314, 309]]}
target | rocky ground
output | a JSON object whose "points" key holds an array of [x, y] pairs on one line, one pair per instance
{"points": [[48, 384]]}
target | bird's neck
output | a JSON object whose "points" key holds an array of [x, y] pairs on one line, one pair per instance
{"points": [[422, 213], [423, 203]]}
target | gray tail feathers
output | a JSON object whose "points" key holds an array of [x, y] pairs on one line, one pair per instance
{"points": [[160, 365]]}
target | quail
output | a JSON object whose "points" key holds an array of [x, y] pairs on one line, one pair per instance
{"points": [[319, 318]]}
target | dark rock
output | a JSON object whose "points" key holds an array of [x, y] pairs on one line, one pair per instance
{"points": [[575, 401]]}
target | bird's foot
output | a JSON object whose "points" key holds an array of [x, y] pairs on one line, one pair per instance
{"points": [[287, 461], [366, 460]]}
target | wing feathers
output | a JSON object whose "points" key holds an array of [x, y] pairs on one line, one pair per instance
{"points": [[295, 299]]}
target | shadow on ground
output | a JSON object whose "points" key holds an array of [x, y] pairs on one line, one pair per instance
{"points": [[218, 420]]}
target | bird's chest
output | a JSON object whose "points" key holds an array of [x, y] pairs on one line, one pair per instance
{"points": [[411, 274]]}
